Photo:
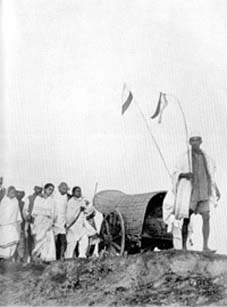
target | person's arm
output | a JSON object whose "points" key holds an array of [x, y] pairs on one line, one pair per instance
{"points": [[2, 194], [25, 208], [18, 219], [181, 171], [217, 191], [54, 211]]}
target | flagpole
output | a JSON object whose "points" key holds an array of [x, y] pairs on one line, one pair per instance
{"points": [[185, 126], [153, 138], [95, 191]]}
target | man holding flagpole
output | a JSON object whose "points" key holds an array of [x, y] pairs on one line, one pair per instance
{"points": [[193, 189]]}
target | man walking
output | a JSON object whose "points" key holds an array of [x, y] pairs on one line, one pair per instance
{"points": [[10, 220], [27, 214], [78, 228], [20, 251], [60, 198]]}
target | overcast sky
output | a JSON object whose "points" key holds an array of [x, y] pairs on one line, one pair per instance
{"points": [[63, 67]]}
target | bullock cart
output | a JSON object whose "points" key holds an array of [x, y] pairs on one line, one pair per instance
{"points": [[132, 222]]}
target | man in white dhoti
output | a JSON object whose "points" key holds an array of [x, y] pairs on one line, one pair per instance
{"points": [[43, 230], [193, 189], [20, 251], [78, 228], [10, 220], [29, 220], [61, 199]]}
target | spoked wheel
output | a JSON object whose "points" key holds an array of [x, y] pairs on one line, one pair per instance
{"points": [[113, 234]]}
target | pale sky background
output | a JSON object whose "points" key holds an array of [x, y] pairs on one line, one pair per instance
{"points": [[63, 65]]}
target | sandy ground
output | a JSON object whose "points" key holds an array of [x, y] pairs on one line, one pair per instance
{"points": [[171, 277]]}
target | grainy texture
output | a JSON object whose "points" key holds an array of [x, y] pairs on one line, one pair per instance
{"points": [[155, 278]]}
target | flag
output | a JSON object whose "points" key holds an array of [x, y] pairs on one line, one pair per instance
{"points": [[162, 104], [127, 98]]}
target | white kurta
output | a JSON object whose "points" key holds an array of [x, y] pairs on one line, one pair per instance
{"points": [[43, 213], [60, 213], [10, 219], [25, 215]]}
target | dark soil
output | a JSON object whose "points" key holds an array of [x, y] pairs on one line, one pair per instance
{"points": [[154, 278]]}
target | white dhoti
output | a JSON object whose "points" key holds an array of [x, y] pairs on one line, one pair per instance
{"points": [[82, 246], [9, 238], [43, 213], [80, 231], [10, 219], [44, 238]]}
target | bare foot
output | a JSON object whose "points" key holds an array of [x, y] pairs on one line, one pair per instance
{"points": [[208, 250]]}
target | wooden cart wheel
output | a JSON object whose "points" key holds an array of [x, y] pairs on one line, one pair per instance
{"points": [[113, 233]]}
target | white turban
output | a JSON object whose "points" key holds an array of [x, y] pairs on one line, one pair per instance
{"points": [[195, 134]]}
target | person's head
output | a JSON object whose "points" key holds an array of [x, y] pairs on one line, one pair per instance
{"points": [[76, 192], [11, 192], [38, 190], [195, 140], [20, 195], [63, 188], [48, 189]]}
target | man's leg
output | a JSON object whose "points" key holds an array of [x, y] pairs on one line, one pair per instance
{"points": [[58, 245], [70, 249], [206, 229], [83, 246], [184, 231], [62, 245], [30, 243]]}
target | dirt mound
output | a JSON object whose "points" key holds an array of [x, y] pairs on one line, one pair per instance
{"points": [[153, 278]]}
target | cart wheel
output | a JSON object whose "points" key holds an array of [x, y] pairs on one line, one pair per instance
{"points": [[113, 234]]}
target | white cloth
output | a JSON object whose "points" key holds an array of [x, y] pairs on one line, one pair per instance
{"points": [[82, 248], [60, 213], [175, 225], [43, 213], [195, 133], [177, 234], [80, 228], [10, 219], [25, 213], [182, 188]]}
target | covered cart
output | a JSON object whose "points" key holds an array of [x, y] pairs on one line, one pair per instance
{"points": [[132, 222]]}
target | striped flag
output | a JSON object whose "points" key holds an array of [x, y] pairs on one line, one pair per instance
{"points": [[127, 98], [162, 104]]}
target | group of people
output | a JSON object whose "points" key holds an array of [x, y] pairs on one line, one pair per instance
{"points": [[53, 223], [47, 225]]}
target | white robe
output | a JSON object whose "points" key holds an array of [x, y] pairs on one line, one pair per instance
{"points": [[43, 213], [60, 202], [81, 227], [10, 220]]}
